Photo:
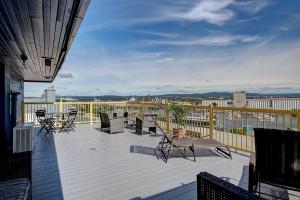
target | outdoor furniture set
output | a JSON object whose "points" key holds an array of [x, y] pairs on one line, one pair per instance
{"points": [[49, 120]]}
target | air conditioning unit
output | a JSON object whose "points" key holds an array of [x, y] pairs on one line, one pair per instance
{"points": [[23, 138]]}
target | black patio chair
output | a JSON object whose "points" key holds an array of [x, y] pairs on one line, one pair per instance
{"points": [[210, 187], [67, 124], [125, 118], [45, 122], [276, 160]]}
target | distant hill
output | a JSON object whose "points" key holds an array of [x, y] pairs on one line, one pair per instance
{"points": [[226, 95]]}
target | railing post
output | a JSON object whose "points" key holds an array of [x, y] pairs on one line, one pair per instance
{"points": [[298, 119], [91, 112], [60, 105], [142, 110], [168, 117], [23, 112], [211, 122]]}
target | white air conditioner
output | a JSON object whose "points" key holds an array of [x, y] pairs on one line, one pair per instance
{"points": [[23, 138]]}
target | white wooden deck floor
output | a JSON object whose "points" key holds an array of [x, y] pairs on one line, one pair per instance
{"points": [[90, 164]]}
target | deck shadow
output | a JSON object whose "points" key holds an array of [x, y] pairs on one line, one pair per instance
{"points": [[174, 154], [185, 191], [46, 182]]}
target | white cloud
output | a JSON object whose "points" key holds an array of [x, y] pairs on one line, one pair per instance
{"points": [[252, 6], [161, 34], [219, 40], [211, 11], [65, 75]]}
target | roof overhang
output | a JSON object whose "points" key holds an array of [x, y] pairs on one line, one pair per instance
{"points": [[36, 35]]}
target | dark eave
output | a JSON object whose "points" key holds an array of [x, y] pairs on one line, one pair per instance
{"points": [[36, 35]]}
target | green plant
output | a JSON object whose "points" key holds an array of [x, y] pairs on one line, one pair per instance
{"points": [[179, 112]]}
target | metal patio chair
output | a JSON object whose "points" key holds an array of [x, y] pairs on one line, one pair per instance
{"points": [[67, 123], [45, 122]]}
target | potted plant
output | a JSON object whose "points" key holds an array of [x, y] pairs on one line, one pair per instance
{"points": [[179, 112]]}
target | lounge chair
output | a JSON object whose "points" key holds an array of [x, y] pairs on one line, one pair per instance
{"points": [[115, 125], [170, 143], [277, 159], [213, 188]]}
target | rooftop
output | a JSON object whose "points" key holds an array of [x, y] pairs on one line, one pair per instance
{"points": [[90, 164]]}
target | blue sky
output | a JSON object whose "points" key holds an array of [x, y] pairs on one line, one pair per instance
{"points": [[136, 47]]}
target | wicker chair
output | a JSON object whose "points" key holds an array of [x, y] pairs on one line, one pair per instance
{"points": [[15, 176], [115, 125], [148, 122], [277, 159], [210, 187]]}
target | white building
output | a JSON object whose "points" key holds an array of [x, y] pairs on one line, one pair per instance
{"points": [[132, 99], [239, 99], [49, 94]]}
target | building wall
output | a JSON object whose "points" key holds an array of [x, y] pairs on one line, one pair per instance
{"points": [[8, 84]]}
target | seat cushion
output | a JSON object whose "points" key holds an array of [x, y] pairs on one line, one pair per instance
{"points": [[15, 189]]}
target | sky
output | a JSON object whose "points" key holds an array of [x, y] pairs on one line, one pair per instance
{"points": [[141, 47]]}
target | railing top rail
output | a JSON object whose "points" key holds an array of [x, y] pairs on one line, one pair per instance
{"points": [[194, 107], [39, 102], [257, 110]]}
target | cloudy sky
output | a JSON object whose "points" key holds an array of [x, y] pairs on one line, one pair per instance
{"points": [[134, 47]]}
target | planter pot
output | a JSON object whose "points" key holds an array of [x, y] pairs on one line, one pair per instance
{"points": [[178, 132]]}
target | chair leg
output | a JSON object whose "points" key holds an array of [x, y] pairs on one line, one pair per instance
{"points": [[193, 151]]}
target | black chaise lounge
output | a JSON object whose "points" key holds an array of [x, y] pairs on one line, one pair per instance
{"points": [[277, 159], [170, 143], [210, 187]]}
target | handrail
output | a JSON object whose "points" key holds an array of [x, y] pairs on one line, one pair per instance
{"points": [[229, 125]]}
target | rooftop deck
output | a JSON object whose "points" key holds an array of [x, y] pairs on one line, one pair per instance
{"points": [[90, 164]]}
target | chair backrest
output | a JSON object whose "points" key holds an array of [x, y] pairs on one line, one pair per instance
{"points": [[104, 118], [40, 115], [214, 188], [278, 156], [125, 114], [72, 115], [139, 126], [115, 115]]}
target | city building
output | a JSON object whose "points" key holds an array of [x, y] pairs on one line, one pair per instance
{"points": [[49, 94], [239, 99]]}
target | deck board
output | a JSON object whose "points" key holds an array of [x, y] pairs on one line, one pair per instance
{"points": [[89, 164]]}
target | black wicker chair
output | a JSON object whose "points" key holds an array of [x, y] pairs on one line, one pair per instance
{"points": [[138, 126], [210, 187], [276, 161], [15, 176], [104, 121]]}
